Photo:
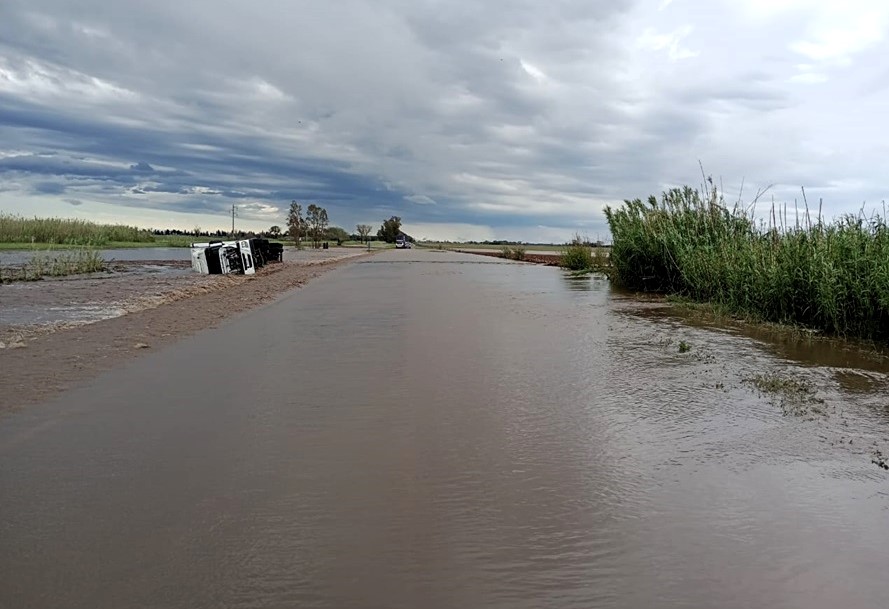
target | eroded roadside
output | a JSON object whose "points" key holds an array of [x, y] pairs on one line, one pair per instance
{"points": [[130, 313]]}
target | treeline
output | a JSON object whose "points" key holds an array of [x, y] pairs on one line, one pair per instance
{"points": [[313, 224], [167, 232], [503, 242]]}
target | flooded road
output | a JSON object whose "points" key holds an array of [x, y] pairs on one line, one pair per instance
{"points": [[430, 429], [165, 254], [136, 278]]}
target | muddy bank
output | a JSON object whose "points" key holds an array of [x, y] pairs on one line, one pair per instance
{"points": [[135, 311], [545, 259]]}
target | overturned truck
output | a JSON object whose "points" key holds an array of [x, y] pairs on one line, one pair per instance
{"points": [[241, 257]]}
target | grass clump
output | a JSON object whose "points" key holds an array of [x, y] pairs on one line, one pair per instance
{"points": [[516, 252], [55, 264], [581, 256], [781, 385], [796, 397], [577, 256], [62, 231], [832, 277]]}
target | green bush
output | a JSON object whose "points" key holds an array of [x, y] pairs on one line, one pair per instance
{"points": [[577, 257], [516, 252]]}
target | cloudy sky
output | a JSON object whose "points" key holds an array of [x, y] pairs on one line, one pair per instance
{"points": [[469, 119]]}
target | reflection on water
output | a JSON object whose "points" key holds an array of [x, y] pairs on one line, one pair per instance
{"points": [[451, 435], [584, 282], [799, 346]]}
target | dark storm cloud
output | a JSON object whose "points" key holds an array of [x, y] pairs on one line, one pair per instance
{"points": [[49, 188], [514, 115]]}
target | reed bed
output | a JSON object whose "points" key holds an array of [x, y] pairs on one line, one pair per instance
{"points": [[830, 276], [62, 231]]}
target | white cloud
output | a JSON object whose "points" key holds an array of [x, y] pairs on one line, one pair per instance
{"points": [[809, 78], [448, 231], [46, 82], [420, 199], [827, 30], [836, 37], [670, 42], [533, 71]]}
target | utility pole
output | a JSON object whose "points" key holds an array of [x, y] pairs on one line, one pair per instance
{"points": [[234, 213]]}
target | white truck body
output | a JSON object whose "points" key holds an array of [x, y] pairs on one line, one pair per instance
{"points": [[223, 258]]}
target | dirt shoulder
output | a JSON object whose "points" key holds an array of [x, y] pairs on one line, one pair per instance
{"points": [[39, 363]]}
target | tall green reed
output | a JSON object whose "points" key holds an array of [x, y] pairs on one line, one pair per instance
{"points": [[63, 231], [832, 276]]}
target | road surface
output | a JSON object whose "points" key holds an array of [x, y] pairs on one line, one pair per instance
{"points": [[431, 429]]}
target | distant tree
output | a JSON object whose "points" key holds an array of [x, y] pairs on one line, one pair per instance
{"points": [[390, 229], [335, 233], [296, 224], [364, 231], [316, 217], [275, 232]]}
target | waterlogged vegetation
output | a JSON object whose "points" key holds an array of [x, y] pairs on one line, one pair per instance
{"points": [[513, 252], [580, 256], [828, 276], [55, 264], [795, 396], [777, 384]]}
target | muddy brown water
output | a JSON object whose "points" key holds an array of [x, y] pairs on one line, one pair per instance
{"points": [[128, 283], [18, 257], [431, 429], [136, 254]]}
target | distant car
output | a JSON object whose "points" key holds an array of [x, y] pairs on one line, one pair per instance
{"points": [[401, 243]]}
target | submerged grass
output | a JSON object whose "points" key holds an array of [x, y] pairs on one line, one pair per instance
{"points": [[783, 385], [515, 252], [55, 264], [827, 276], [796, 396], [62, 231]]}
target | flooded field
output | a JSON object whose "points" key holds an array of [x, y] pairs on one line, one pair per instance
{"points": [[432, 429], [19, 257], [136, 279]]}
